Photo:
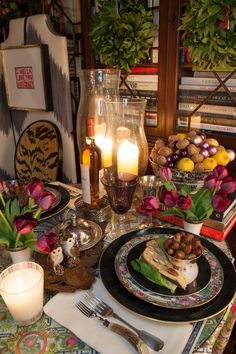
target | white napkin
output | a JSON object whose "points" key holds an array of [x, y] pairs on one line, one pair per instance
{"points": [[62, 309]]}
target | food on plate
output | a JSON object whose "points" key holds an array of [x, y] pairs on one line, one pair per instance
{"points": [[155, 266], [183, 245]]}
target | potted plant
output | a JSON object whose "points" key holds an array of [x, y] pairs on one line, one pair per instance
{"points": [[210, 34], [17, 223], [122, 32]]}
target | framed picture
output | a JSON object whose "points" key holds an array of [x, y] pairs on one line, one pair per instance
{"points": [[26, 75]]}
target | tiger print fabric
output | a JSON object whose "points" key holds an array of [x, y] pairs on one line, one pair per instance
{"points": [[39, 153]]}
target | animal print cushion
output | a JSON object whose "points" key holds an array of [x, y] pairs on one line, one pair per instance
{"points": [[38, 152]]}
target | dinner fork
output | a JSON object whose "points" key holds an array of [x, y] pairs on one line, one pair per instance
{"points": [[105, 310], [124, 332]]}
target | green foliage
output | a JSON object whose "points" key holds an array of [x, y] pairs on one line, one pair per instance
{"points": [[210, 46], [13, 9], [123, 37], [141, 266]]}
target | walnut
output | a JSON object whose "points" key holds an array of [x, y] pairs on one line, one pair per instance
{"points": [[154, 154], [192, 149], [192, 134], [199, 167], [159, 143], [161, 160], [197, 158], [165, 151], [221, 147], [173, 139], [182, 144]]}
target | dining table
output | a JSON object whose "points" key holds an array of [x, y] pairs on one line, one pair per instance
{"points": [[60, 331]]}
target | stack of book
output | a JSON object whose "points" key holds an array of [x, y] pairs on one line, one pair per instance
{"points": [[143, 83], [217, 226], [218, 113]]}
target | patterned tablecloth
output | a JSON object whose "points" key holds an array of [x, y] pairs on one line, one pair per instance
{"points": [[46, 336]]}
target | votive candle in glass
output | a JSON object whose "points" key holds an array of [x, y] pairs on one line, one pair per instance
{"points": [[21, 287]]}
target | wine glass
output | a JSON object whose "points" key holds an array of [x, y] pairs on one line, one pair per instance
{"points": [[120, 195]]}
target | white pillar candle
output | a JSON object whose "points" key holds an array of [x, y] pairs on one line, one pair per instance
{"points": [[21, 286], [127, 158]]}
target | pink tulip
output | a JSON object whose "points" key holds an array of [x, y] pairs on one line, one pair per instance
{"points": [[169, 198], [165, 174], [228, 185], [2, 185], [220, 172], [220, 202], [24, 223], [212, 182], [35, 189], [150, 203], [44, 243], [46, 200], [183, 202]]}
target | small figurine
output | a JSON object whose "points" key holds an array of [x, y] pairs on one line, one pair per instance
{"points": [[55, 258], [70, 247]]}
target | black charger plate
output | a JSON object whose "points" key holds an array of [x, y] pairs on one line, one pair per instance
{"points": [[65, 198], [116, 289]]}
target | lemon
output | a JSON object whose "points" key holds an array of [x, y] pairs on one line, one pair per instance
{"points": [[209, 163], [221, 157], [181, 135], [185, 164]]}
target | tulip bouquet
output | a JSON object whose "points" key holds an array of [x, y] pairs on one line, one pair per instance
{"points": [[198, 206], [17, 223]]}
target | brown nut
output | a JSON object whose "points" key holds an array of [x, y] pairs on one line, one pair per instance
{"points": [[161, 160], [188, 237], [170, 251], [187, 249], [168, 243], [192, 149], [178, 236], [159, 143], [176, 245], [182, 144], [165, 151], [179, 254], [191, 256]]}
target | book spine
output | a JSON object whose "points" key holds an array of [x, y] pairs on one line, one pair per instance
{"points": [[207, 126], [138, 85], [205, 88], [144, 70], [205, 81], [142, 78], [189, 107], [210, 120], [218, 98]]}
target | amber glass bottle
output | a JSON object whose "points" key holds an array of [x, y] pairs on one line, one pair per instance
{"points": [[91, 169]]}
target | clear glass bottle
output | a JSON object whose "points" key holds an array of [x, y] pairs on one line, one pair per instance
{"points": [[96, 85], [91, 169]]}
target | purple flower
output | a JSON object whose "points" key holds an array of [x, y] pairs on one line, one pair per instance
{"points": [[24, 223], [184, 203], [165, 174], [150, 203], [212, 182], [220, 172], [228, 185], [35, 189], [220, 202], [2, 185], [169, 198], [46, 200], [45, 241]]}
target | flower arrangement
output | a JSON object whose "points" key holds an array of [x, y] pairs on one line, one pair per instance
{"points": [[17, 223], [198, 206]]}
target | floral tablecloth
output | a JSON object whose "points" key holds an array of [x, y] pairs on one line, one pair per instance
{"points": [[46, 336]]}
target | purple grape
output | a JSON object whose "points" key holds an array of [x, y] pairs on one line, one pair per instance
{"points": [[212, 150], [205, 145], [204, 152], [170, 165], [175, 157], [169, 158], [203, 135], [183, 153]]}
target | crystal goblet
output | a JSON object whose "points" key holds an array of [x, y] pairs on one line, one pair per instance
{"points": [[120, 195]]}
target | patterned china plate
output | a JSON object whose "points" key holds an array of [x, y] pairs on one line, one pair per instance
{"points": [[193, 296]]}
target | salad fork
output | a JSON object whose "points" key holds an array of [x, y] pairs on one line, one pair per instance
{"points": [[105, 310], [124, 332]]}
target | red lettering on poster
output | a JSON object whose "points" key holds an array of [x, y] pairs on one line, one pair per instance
{"points": [[24, 77]]}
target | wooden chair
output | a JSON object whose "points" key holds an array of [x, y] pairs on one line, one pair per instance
{"points": [[38, 152]]}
